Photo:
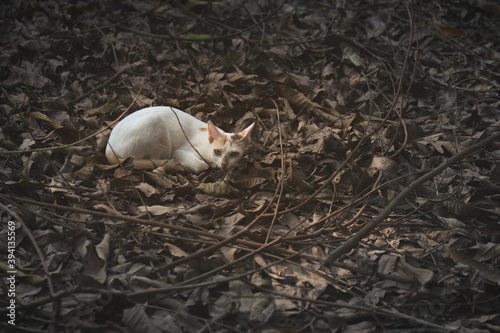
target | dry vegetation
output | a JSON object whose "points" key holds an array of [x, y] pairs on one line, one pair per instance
{"points": [[369, 200]]}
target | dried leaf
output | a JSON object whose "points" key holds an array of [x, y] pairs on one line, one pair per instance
{"points": [[462, 209], [102, 249], [68, 134], [450, 148], [35, 45], [375, 27], [157, 210], [219, 188], [147, 189], [249, 183], [485, 271], [137, 320], [240, 78], [382, 164], [44, 117], [295, 97], [176, 251], [487, 252], [86, 172], [424, 276], [262, 310], [349, 54], [446, 30]]}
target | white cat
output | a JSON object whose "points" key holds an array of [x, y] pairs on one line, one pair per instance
{"points": [[155, 133]]}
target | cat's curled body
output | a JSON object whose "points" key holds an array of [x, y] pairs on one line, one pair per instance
{"points": [[155, 133]]}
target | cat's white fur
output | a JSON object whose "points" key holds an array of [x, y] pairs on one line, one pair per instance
{"points": [[155, 133]]}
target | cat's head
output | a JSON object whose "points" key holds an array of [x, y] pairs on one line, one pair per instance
{"points": [[227, 149]]}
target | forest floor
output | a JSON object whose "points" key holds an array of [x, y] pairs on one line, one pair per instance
{"points": [[368, 202]]}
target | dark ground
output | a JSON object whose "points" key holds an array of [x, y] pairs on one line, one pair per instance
{"points": [[354, 102]]}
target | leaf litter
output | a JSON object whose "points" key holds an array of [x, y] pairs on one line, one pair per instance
{"points": [[353, 104]]}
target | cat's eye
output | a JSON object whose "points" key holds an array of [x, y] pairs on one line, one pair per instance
{"points": [[235, 154], [217, 152]]}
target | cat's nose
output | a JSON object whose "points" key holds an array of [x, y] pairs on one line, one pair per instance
{"points": [[223, 164]]}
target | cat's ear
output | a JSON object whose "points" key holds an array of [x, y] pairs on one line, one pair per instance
{"points": [[214, 133], [246, 134]]}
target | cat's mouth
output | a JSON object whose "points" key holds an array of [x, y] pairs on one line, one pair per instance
{"points": [[226, 166]]}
